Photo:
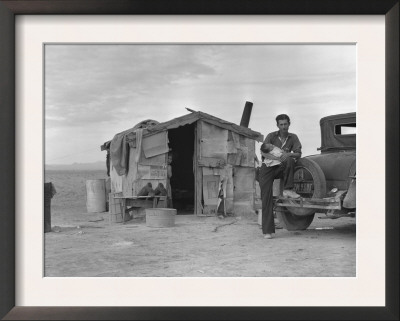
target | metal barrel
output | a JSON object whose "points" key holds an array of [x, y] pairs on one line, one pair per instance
{"points": [[96, 195]]}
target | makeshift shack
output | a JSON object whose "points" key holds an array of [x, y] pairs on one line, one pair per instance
{"points": [[211, 161]]}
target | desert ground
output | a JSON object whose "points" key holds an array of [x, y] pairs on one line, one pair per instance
{"points": [[85, 244]]}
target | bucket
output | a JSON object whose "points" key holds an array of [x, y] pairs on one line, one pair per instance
{"points": [[160, 217], [96, 195]]}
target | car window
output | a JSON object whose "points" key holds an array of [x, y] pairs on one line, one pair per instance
{"points": [[345, 129]]}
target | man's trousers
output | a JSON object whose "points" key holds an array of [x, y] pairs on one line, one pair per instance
{"points": [[267, 176]]}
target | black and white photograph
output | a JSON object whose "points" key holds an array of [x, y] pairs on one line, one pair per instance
{"points": [[199, 160]]}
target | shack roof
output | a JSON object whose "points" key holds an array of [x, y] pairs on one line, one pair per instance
{"points": [[189, 119]]}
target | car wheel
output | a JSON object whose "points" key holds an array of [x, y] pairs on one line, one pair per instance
{"points": [[293, 222], [309, 182]]}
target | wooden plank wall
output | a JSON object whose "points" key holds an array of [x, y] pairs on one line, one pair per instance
{"points": [[213, 155], [116, 180], [198, 178], [129, 178], [228, 156], [244, 190]]}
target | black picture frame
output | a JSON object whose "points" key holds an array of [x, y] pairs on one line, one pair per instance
{"points": [[10, 8]]}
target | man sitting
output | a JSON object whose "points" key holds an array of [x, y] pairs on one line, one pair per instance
{"points": [[277, 162], [271, 156]]}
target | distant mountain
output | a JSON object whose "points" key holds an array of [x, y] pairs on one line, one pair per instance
{"points": [[77, 166]]}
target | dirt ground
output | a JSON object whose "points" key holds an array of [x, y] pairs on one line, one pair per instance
{"points": [[89, 245]]}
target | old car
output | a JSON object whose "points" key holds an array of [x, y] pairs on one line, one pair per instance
{"points": [[326, 181]]}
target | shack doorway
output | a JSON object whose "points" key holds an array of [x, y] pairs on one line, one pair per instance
{"points": [[181, 142]]}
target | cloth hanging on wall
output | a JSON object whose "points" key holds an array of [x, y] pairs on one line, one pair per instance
{"points": [[139, 135], [119, 153]]}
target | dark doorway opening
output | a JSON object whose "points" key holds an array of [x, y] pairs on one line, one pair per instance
{"points": [[181, 141]]}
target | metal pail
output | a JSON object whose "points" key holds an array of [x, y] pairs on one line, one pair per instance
{"points": [[160, 217]]}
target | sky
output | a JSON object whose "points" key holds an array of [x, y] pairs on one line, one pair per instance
{"points": [[93, 92]]}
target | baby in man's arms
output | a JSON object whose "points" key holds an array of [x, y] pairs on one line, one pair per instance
{"points": [[271, 150]]}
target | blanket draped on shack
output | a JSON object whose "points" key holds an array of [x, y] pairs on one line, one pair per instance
{"points": [[119, 153], [119, 147], [139, 135]]}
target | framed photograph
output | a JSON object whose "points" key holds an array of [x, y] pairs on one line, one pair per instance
{"points": [[65, 62]]}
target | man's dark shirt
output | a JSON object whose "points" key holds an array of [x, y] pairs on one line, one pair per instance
{"points": [[292, 143]]}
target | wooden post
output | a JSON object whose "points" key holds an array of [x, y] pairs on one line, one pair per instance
{"points": [[197, 170], [122, 204]]}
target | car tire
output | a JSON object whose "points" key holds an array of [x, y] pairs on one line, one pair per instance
{"points": [[319, 183], [293, 222]]}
